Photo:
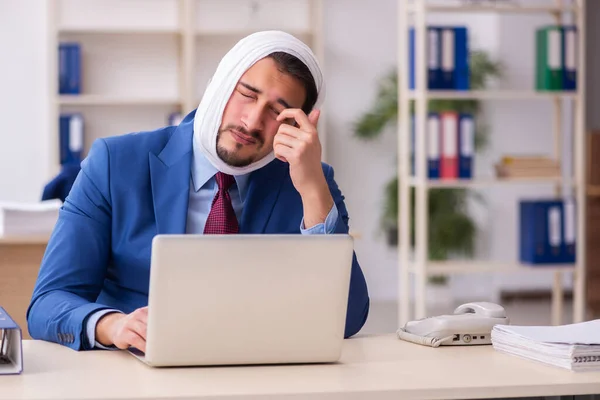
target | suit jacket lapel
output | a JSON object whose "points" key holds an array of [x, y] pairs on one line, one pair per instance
{"points": [[263, 190], [170, 173]]}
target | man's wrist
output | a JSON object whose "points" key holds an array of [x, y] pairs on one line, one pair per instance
{"points": [[104, 328], [317, 203]]}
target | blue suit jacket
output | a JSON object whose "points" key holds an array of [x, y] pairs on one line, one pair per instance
{"points": [[129, 189]]}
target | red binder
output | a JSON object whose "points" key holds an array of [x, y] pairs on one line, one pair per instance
{"points": [[449, 156]]}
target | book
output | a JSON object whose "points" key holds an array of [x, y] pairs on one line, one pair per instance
{"points": [[575, 347], [11, 345], [549, 73], [28, 219]]}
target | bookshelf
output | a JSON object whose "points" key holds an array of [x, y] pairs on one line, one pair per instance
{"points": [[414, 266], [154, 57]]}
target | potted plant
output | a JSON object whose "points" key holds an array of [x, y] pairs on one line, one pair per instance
{"points": [[447, 207]]}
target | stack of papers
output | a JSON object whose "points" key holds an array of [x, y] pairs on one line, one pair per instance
{"points": [[575, 347], [22, 219]]}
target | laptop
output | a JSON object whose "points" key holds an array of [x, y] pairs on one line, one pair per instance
{"points": [[247, 299]]}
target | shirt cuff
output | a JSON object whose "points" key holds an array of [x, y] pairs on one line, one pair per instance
{"points": [[91, 329], [323, 228]]}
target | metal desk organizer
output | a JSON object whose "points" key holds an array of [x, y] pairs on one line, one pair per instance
{"points": [[11, 345]]}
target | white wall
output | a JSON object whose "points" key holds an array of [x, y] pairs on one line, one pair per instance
{"points": [[23, 100], [361, 47]]}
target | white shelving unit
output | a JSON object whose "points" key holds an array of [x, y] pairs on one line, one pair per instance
{"points": [[414, 263], [144, 59]]}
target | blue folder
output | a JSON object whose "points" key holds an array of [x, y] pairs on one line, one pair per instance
{"points": [[69, 68], [569, 57], [71, 138], [433, 58], [542, 232], [466, 145], [462, 74], [11, 345]]}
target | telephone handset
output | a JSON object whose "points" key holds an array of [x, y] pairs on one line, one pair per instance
{"points": [[470, 324]]}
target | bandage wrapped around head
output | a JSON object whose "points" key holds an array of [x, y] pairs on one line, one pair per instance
{"points": [[234, 64]]}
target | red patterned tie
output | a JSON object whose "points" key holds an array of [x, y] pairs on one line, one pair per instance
{"points": [[222, 219]]}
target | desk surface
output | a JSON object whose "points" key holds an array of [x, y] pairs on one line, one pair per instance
{"points": [[373, 367]]}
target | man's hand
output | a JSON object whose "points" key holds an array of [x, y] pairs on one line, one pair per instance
{"points": [[123, 330], [300, 147]]}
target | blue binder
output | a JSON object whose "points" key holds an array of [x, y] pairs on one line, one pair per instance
{"points": [[569, 231], [69, 68], [412, 145], [466, 145], [434, 147], [448, 57], [542, 232], [433, 58], [11, 345], [71, 138], [569, 57], [462, 74]]}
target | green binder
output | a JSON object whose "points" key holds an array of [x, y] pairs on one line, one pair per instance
{"points": [[549, 71]]}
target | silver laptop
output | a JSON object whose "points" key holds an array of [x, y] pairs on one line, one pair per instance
{"points": [[247, 299]]}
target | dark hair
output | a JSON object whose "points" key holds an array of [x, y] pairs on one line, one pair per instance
{"points": [[292, 66]]}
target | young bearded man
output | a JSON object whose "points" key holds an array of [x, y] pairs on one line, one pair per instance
{"points": [[248, 160]]}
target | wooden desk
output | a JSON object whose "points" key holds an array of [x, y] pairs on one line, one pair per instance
{"points": [[20, 259], [372, 367]]}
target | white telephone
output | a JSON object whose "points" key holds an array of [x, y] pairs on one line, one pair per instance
{"points": [[471, 324]]}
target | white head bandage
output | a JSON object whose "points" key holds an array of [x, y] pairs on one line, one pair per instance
{"points": [[231, 68]]}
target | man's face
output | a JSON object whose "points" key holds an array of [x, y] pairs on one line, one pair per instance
{"points": [[250, 121]]}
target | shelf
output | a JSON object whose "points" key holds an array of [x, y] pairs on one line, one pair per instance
{"points": [[465, 267], [492, 95], [471, 183], [117, 31], [107, 100], [504, 9], [248, 31]]}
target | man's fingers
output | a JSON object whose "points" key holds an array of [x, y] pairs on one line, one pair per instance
{"points": [[313, 117], [136, 341], [283, 152], [139, 327], [285, 140], [293, 132], [141, 314], [299, 116]]}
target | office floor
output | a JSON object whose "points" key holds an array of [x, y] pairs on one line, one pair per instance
{"points": [[383, 316]]}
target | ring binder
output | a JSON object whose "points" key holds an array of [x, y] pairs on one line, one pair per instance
{"points": [[11, 346]]}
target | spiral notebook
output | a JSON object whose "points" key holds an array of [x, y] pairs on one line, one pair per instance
{"points": [[575, 346]]}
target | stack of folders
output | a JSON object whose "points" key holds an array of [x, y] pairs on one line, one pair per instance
{"points": [[527, 167], [556, 58], [450, 143], [575, 347], [447, 49], [28, 219]]}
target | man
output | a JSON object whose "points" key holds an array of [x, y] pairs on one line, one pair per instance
{"points": [[246, 161]]}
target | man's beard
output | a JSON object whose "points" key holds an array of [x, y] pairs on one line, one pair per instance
{"points": [[231, 157]]}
